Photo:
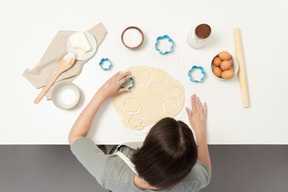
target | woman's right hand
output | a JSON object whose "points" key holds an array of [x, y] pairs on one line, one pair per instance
{"points": [[113, 85], [197, 116]]}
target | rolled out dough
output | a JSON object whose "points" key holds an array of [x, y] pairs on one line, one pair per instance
{"points": [[154, 96]]}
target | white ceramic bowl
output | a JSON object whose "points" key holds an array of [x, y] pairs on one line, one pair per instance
{"points": [[66, 95], [235, 66]]}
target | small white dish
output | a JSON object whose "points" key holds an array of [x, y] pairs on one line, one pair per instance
{"points": [[83, 56], [65, 95], [235, 66]]}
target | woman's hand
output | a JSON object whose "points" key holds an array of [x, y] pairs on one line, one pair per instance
{"points": [[83, 123], [197, 116], [112, 86]]}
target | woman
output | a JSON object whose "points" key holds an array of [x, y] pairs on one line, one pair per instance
{"points": [[169, 159]]}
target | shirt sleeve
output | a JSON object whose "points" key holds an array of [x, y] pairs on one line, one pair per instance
{"points": [[90, 156], [203, 174]]}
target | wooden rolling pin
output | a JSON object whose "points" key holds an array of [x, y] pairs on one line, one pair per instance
{"points": [[242, 69]]}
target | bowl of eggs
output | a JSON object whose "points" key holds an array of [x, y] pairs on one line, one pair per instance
{"points": [[223, 66]]}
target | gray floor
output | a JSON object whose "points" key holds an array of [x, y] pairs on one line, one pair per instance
{"points": [[54, 169]]}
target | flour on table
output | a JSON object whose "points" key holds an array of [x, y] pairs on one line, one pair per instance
{"points": [[154, 96]]}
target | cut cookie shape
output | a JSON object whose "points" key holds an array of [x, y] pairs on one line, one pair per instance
{"points": [[142, 77], [175, 92], [131, 105], [157, 76], [164, 44], [170, 106], [136, 121]]}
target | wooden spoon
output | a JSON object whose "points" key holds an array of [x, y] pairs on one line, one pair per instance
{"points": [[66, 63]]}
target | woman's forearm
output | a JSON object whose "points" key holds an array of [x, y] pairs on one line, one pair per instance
{"points": [[203, 151], [197, 117], [83, 123], [109, 88]]}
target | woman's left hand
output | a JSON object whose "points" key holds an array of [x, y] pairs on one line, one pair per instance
{"points": [[113, 85]]}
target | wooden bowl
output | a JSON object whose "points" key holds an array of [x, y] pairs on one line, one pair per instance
{"points": [[132, 27]]}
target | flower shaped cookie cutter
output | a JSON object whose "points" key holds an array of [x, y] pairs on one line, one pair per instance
{"points": [[161, 38], [132, 83], [196, 77], [105, 60]]}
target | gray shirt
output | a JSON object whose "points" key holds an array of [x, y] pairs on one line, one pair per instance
{"points": [[112, 173]]}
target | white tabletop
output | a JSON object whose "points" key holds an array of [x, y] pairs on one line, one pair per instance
{"points": [[27, 28]]}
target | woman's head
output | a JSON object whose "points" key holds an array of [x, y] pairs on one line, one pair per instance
{"points": [[168, 154]]}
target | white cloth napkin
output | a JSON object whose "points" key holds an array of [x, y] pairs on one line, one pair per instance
{"points": [[42, 73]]}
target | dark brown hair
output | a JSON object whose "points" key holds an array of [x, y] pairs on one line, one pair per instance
{"points": [[168, 154]]}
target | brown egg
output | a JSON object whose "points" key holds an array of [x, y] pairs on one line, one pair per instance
{"points": [[224, 55], [231, 69], [228, 74], [217, 61], [217, 71], [225, 65]]}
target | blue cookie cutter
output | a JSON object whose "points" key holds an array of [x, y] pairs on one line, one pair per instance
{"points": [[132, 83], [196, 68], [103, 61], [161, 38]]}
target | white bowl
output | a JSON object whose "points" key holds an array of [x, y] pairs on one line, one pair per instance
{"points": [[66, 95], [235, 66]]}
